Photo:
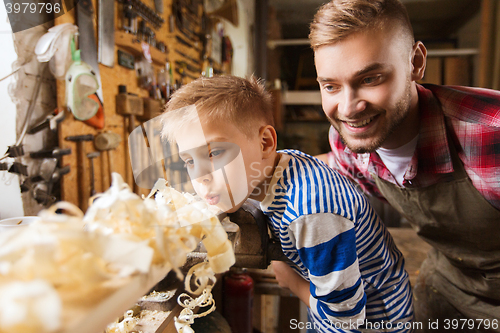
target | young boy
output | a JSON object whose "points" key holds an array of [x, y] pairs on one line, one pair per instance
{"points": [[346, 267]]}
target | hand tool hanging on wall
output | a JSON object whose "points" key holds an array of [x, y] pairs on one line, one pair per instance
{"points": [[50, 152], [107, 142], [187, 57], [144, 11], [91, 157], [193, 69], [51, 122], [86, 41], [159, 6], [184, 22], [88, 51], [106, 32], [129, 19], [44, 193], [80, 164], [130, 106]]}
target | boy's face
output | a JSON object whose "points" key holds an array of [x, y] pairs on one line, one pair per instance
{"points": [[222, 163]]}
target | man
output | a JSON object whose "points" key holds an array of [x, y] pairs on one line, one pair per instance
{"points": [[432, 152]]}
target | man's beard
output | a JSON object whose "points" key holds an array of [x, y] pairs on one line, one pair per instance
{"points": [[399, 114]]}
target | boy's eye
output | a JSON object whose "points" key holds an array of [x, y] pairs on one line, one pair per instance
{"points": [[215, 153]]}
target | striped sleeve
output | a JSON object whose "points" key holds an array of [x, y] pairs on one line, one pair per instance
{"points": [[326, 244]]}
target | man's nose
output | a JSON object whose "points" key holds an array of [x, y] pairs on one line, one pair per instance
{"points": [[350, 103]]}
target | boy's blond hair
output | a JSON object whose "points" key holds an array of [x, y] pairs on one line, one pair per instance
{"points": [[338, 19], [223, 99]]}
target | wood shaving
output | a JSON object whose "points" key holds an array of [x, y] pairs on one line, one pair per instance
{"points": [[77, 260]]}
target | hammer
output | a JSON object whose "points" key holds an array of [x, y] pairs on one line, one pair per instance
{"points": [[91, 157], [80, 165], [107, 142]]}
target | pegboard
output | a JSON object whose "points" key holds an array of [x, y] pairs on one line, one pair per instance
{"points": [[111, 78]]}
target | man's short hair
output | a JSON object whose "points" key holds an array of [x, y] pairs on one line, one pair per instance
{"points": [[224, 99], [338, 19]]}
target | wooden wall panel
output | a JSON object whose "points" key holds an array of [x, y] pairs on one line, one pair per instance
{"points": [[111, 78]]}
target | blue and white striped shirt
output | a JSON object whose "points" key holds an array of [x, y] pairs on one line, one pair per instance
{"points": [[338, 243]]}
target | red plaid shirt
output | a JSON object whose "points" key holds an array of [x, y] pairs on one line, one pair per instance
{"points": [[472, 115]]}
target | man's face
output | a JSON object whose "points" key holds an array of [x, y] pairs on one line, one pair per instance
{"points": [[218, 160], [365, 83]]}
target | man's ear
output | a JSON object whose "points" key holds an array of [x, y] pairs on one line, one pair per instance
{"points": [[418, 61], [268, 140]]}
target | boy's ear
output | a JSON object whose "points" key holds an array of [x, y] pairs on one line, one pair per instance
{"points": [[418, 61], [268, 140]]}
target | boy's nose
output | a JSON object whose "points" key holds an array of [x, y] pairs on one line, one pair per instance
{"points": [[202, 173], [204, 178]]}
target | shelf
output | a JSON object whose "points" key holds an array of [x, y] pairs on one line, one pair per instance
{"points": [[301, 97]]}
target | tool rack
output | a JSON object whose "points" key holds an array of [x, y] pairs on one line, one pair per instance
{"points": [[174, 37]]}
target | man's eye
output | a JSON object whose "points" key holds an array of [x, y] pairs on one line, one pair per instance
{"points": [[372, 79], [215, 153], [330, 88]]}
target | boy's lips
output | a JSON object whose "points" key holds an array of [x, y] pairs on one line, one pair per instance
{"points": [[212, 199]]}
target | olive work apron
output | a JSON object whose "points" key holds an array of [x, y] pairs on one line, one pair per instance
{"points": [[461, 276]]}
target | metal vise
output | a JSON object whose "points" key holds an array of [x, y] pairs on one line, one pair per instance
{"points": [[253, 246]]}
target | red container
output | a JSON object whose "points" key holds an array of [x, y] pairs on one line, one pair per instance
{"points": [[237, 297]]}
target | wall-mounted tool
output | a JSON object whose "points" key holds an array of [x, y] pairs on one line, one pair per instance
{"points": [[185, 42], [80, 164], [19, 168], [129, 105], [144, 11], [159, 6], [50, 152], [183, 73], [106, 32], [15, 151], [187, 57], [126, 59], [51, 122], [152, 108], [43, 193], [107, 142], [129, 19], [86, 40], [91, 157], [193, 69]]}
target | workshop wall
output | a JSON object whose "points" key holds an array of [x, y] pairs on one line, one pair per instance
{"points": [[188, 59]]}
